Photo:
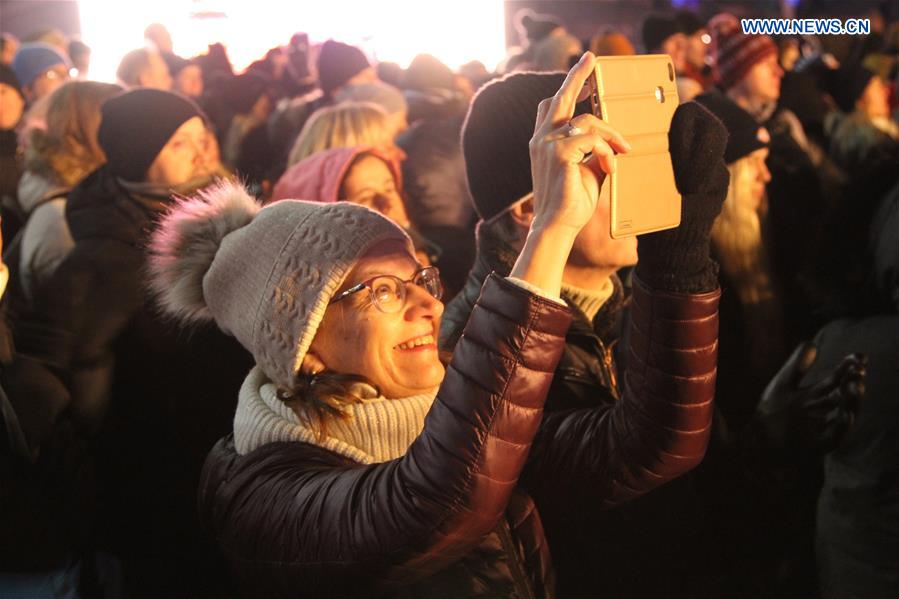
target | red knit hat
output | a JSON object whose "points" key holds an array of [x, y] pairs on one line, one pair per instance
{"points": [[735, 53]]}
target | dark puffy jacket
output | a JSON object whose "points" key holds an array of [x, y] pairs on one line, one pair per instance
{"points": [[296, 519], [145, 394], [587, 374], [593, 550], [392, 531]]}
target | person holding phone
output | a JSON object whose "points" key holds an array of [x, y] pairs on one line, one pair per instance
{"points": [[590, 381], [359, 464]]}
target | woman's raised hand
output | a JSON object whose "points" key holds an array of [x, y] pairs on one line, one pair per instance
{"points": [[566, 188]]}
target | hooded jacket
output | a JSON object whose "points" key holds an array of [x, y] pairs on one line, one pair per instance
{"points": [[319, 177], [858, 508], [46, 239], [145, 394]]}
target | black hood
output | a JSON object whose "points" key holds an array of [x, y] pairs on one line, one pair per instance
{"points": [[100, 208], [885, 247]]}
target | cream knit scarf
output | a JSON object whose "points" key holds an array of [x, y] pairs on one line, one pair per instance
{"points": [[378, 429]]}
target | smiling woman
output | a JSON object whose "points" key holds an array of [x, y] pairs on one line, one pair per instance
{"points": [[359, 465], [342, 321]]}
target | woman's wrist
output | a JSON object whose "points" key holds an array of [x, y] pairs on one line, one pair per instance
{"points": [[542, 259]]}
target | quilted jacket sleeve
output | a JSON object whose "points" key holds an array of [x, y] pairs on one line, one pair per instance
{"points": [[659, 428], [321, 526]]}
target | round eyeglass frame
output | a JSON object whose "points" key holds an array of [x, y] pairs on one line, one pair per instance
{"points": [[417, 279]]}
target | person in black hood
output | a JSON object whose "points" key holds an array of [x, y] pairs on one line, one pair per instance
{"points": [[139, 390], [857, 526]]}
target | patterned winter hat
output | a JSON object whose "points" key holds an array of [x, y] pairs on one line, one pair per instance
{"points": [[264, 275], [735, 53]]}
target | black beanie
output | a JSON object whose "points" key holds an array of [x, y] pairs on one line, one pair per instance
{"points": [[847, 84], [426, 72], [338, 63], [241, 92], [536, 26], [656, 29], [496, 134], [744, 134], [136, 125], [688, 22]]}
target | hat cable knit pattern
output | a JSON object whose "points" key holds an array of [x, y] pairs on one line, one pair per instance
{"points": [[377, 429], [265, 275]]}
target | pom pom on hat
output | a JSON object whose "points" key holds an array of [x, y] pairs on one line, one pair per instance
{"points": [[186, 243]]}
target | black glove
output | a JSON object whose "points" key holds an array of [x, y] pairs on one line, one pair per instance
{"points": [[678, 259], [816, 419]]}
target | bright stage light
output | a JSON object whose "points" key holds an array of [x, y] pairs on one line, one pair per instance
{"points": [[392, 30]]}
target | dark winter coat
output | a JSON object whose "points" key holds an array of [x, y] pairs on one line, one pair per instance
{"points": [[587, 374], [11, 168], [436, 195], [858, 509], [39, 490], [261, 506], [147, 395], [595, 551]]}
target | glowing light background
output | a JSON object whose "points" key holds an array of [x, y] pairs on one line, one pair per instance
{"points": [[394, 30]]}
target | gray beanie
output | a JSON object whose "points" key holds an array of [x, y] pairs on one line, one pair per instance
{"points": [[264, 275]]}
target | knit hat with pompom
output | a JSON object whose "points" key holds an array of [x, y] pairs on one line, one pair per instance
{"points": [[264, 275]]}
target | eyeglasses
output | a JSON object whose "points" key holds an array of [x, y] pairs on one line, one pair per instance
{"points": [[388, 293]]}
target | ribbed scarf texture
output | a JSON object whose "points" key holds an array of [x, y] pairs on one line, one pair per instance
{"points": [[378, 429]]}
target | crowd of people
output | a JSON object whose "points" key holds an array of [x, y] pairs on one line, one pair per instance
{"points": [[331, 327]]}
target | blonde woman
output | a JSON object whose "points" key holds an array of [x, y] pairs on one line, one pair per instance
{"points": [[754, 338], [344, 125], [56, 159]]}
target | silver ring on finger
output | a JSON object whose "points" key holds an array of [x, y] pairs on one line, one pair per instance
{"points": [[573, 130]]}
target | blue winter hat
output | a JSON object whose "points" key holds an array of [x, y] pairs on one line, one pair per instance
{"points": [[34, 59]]}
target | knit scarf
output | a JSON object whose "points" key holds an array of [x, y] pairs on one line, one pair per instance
{"points": [[377, 429], [589, 301]]}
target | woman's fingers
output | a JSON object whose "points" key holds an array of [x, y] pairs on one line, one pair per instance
{"points": [[591, 123], [562, 107], [542, 110], [572, 149]]}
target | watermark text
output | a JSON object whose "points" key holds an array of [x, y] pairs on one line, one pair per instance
{"points": [[806, 26]]}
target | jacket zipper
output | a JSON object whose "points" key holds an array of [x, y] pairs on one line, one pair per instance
{"points": [[522, 584], [608, 360], [608, 367]]}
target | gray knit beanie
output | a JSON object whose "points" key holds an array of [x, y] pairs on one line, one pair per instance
{"points": [[264, 275]]}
